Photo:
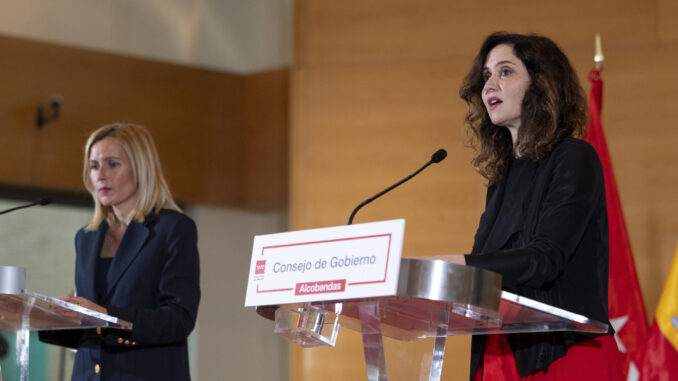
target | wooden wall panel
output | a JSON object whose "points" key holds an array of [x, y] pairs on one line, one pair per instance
{"points": [[374, 92], [668, 13], [266, 114], [376, 130], [198, 118], [383, 31]]}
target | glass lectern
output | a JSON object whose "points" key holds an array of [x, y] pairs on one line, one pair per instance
{"points": [[434, 299], [23, 311]]}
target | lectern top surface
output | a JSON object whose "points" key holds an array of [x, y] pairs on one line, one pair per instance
{"points": [[473, 297], [38, 312]]}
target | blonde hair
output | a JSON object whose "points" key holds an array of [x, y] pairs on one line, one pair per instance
{"points": [[152, 192]]}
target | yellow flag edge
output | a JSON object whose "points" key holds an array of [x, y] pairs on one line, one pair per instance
{"points": [[667, 308]]}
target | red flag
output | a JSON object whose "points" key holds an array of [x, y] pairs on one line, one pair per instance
{"points": [[661, 352], [625, 302]]}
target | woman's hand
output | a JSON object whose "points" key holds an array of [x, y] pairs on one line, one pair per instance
{"points": [[80, 301]]}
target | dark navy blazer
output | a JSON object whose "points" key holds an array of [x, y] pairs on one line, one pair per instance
{"points": [[153, 282]]}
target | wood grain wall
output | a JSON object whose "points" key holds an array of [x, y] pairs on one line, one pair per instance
{"points": [[374, 92], [222, 138]]}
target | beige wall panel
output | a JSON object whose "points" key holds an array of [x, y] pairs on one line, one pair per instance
{"points": [[233, 342], [374, 93]]}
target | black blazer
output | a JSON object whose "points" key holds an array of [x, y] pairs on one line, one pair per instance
{"points": [[552, 248], [153, 282]]}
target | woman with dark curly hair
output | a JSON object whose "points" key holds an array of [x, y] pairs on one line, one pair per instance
{"points": [[544, 228]]}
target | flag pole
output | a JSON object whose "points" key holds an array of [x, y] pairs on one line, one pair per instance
{"points": [[598, 58], [625, 301]]}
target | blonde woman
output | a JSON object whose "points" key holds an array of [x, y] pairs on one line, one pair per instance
{"points": [[137, 260]]}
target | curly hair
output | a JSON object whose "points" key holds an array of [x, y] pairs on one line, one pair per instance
{"points": [[553, 107]]}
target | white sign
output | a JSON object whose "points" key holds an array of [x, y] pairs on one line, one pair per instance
{"points": [[342, 262]]}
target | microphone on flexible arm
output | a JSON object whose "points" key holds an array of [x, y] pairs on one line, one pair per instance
{"points": [[437, 157], [43, 201]]}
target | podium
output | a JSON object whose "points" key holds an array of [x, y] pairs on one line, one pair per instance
{"points": [[434, 299], [22, 311]]}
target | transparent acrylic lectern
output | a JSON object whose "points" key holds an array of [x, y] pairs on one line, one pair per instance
{"points": [[22, 311], [434, 299]]}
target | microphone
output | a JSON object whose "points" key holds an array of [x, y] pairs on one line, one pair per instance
{"points": [[43, 201], [437, 157]]}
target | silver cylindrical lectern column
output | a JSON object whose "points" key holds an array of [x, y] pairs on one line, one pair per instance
{"points": [[12, 280]]}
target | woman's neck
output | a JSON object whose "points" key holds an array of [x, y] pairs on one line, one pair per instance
{"points": [[514, 140]]}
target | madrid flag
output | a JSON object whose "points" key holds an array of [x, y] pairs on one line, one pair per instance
{"points": [[661, 352], [625, 302]]}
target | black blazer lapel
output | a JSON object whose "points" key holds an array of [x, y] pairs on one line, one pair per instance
{"points": [[91, 248], [130, 247]]}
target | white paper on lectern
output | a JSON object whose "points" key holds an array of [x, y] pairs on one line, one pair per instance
{"points": [[341, 262]]}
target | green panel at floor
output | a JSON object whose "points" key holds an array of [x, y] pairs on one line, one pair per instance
{"points": [[37, 359]]}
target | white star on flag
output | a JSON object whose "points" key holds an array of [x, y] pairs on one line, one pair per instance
{"points": [[618, 323]]}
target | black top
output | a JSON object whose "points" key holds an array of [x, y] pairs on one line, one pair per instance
{"points": [[519, 176], [103, 264], [544, 230]]}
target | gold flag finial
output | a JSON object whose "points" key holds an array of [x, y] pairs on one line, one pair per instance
{"points": [[598, 58]]}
